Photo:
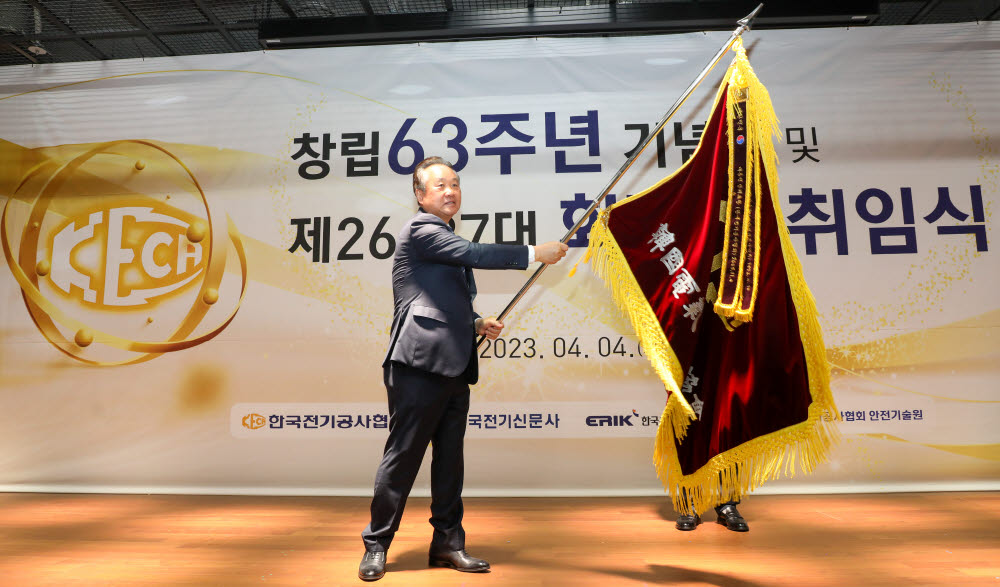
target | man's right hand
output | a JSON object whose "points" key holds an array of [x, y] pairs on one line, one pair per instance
{"points": [[550, 253]]}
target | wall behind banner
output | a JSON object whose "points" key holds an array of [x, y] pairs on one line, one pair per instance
{"points": [[196, 294]]}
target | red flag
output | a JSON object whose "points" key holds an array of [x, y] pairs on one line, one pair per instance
{"points": [[748, 384]]}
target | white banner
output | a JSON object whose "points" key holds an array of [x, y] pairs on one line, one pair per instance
{"points": [[199, 247]]}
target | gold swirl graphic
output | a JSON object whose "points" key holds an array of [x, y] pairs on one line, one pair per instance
{"points": [[986, 452], [913, 391], [88, 81], [961, 340], [26, 268], [264, 73]]}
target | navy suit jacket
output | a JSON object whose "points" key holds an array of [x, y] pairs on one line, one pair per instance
{"points": [[432, 290]]}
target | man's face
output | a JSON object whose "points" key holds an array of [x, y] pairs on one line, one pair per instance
{"points": [[441, 196]]}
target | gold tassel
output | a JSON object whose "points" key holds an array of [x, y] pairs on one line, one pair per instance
{"points": [[585, 259]]}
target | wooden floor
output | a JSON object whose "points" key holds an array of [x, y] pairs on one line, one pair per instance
{"points": [[841, 540]]}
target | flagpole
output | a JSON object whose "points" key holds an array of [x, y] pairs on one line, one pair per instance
{"points": [[743, 26]]}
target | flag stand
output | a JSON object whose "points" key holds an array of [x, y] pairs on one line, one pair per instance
{"points": [[743, 26]]}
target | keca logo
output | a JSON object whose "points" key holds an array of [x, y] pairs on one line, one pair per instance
{"points": [[126, 256], [253, 421], [114, 238]]}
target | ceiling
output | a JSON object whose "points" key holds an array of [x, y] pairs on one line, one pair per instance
{"points": [[59, 31]]}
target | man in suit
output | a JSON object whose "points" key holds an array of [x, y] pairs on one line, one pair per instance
{"points": [[430, 364]]}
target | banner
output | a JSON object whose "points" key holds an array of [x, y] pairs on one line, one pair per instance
{"points": [[198, 250]]}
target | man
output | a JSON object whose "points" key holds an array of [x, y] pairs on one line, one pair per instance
{"points": [[726, 514], [430, 364]]}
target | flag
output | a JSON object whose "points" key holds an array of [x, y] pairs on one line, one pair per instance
{"points": [[703, 265]]}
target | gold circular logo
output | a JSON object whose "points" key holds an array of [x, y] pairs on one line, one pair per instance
{"points": [[112, 235]]}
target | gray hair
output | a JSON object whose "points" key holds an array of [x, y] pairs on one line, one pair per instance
{"points": [[418, 178]]}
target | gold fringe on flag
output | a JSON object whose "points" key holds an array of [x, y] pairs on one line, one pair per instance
{"points": [[608, 262], [748, 104], [802, 446]]}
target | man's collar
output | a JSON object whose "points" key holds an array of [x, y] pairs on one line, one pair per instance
{"points": [[450, 224]]}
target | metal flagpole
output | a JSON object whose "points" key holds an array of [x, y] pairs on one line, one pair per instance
{"points": [[743, 26]]}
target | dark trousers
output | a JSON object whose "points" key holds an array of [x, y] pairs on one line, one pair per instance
{"points": [[423, 408], [719, 507]]}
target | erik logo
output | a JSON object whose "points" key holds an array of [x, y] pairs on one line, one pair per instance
{"points": [[612, 420]]}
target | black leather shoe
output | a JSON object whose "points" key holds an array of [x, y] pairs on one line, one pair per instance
{"points": [[372, 566], [730, 517], [686, 523], [458, 560]]}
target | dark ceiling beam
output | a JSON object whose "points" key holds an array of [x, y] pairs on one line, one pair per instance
{"points": [[26, 54], [367, 5], [71, 34], [137, 23], [170, 30], [221, 28], [283, 5], [568, 20], [921, 14]]}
